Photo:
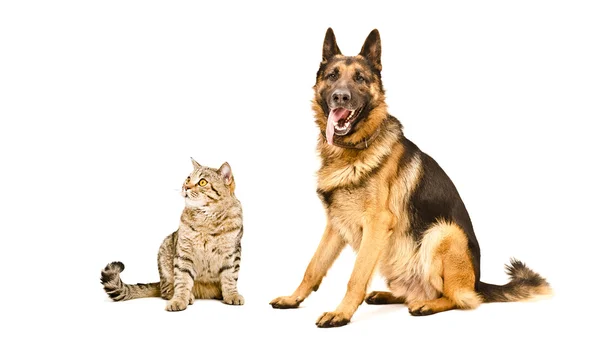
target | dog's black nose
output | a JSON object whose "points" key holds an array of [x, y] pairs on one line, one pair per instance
{"points": [[341, 96]]}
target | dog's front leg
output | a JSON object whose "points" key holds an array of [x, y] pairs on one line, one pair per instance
{"points": [[376, 230], [329, 249]]}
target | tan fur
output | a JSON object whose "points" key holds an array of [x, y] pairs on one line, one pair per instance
{"points": [[383, 297], [432, 306], [540, 293], [346, 167], [446, 264], [370, 194]]}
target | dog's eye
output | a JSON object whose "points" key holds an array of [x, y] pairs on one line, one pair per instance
{"points": [[359, 78], [331, 76], [203, 182]]}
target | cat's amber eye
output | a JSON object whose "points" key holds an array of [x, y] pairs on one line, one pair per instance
{"points": [[203, 182]]}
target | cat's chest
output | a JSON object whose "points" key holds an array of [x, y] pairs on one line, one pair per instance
{"points": [[210, 254], [212, 247]]}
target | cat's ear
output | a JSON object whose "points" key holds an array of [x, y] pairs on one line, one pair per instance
{"points": [[225, 171], [196, 164], [330, 47]]}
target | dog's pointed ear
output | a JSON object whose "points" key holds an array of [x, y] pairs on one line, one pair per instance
{"points": [[371, 49], [330, 47]]}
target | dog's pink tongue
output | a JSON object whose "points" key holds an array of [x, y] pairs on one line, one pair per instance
{"points": [[334, 117]]}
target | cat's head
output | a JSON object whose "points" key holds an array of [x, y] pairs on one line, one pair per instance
{"points": [[206, 186]]}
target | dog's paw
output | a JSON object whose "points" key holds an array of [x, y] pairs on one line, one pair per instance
{"points": [[333, 319], [379, 297], [234, 299], [285, 302], [177, 304], [419, 309]]}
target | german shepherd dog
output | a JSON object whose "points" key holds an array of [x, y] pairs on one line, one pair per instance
{"points": [[392, 203]]}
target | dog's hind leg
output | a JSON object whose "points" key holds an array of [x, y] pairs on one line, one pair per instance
{"points": [[452, 270], [383, 297]]}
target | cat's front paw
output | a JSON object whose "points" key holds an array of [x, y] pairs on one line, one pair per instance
{"points": [[234, 299], [177, 304]]}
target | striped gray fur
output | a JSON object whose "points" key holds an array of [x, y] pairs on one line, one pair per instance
{"points": [[201, 260]]}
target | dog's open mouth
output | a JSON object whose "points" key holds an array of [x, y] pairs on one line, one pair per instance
{"points": [[340, 122]]}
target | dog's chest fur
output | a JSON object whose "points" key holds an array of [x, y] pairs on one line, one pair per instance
{"points": [[342, 213], [346, 187], [402, 264]]}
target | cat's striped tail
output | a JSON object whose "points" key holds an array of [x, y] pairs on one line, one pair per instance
{"points": [[119, 291]]}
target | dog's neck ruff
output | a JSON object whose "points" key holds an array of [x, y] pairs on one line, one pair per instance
{"points": [[363, 144]]}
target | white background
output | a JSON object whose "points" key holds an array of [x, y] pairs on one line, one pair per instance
{"points": [[102, 104]]}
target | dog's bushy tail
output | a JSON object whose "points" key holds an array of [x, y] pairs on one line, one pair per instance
{"points": [[525, 284], [119, 291]]}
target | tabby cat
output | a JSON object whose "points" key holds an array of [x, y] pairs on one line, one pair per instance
{"points": [[202, 258]]}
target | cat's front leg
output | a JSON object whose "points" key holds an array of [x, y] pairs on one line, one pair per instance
{"points": [[184, 275], [229, 276], [166, 255]]}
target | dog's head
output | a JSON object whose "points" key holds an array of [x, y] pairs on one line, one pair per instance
{"points": [[349, 100]]}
